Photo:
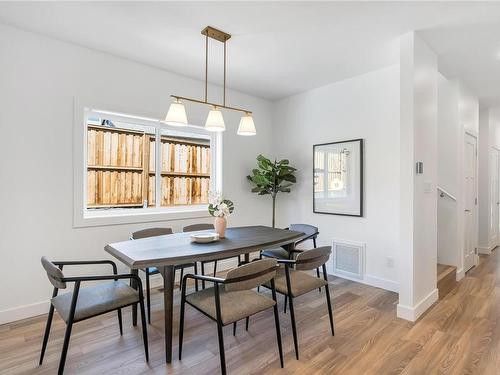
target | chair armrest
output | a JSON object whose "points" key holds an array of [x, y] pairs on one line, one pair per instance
{"points": [[204, 278], [103, 277], [286, 261], [86, 262], [215, 280]]}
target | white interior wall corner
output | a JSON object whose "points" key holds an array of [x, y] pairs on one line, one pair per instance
{"points": [[418, 248]]}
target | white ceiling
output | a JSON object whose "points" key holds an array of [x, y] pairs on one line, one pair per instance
{"points": [[470, 52], [278, 48]]}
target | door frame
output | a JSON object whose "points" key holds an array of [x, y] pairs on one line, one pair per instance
{"points": [[474, 135], [494, 203]]}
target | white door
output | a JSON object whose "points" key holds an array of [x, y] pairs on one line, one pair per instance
{"points": [[470, 203], [494, 198]]}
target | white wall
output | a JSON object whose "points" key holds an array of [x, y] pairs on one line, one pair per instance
{"points": [[38, 79], [469, 109], [448, 171], [367, 107], [458, 113], [489, 140], [468, 105], [418, 209], [484, 181]]}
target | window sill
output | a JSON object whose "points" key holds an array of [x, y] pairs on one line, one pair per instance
{"points": [[143, 215]]}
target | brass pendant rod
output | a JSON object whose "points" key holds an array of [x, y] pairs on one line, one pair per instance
{"points": [[212, 104], [223, 37], [224, 97], [206, 67]]}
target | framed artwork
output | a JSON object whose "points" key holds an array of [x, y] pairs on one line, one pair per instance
{"points": [[338, 178]]}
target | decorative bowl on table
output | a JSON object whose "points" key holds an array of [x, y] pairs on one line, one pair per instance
{"points": [[204, 237]]}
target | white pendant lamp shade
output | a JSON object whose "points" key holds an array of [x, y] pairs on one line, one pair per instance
{"points": [[215, 121], [247, 127], [176, 115]]}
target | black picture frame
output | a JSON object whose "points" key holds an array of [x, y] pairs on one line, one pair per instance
{"points": [[361, 178]]}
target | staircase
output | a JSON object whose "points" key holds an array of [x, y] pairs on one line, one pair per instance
{"points": [[446, 279]]}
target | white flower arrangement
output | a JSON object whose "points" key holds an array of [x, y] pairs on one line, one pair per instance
{"points": [[218, 206]]}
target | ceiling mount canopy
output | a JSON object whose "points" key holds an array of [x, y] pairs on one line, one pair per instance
{"points": [[176, 114]]}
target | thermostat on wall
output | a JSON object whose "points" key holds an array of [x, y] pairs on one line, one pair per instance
{"points": [[419, 167]]}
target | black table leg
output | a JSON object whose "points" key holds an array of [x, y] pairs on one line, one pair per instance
{"points": [[290, 248], [134, 306], [247, 258], [168, 303]]}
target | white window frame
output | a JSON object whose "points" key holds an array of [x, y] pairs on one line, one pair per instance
{"points": [[82, 217]]}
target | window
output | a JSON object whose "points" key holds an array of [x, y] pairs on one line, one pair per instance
{"points": [[331, 175], [135, 165]]}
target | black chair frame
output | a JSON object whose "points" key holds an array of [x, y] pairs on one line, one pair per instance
{"points": [[204, 262], [71, 320], [290, 263], [217, 282], [312, 237]]}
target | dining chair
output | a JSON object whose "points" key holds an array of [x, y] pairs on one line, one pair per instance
{"points": [[85, 303], [232, 299], [311, 233], [153, 232], [197, 227], [292, 281]]}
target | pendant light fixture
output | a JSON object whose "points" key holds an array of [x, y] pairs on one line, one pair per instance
{"points": [[247, 127], [215, 121], [176, 114]]}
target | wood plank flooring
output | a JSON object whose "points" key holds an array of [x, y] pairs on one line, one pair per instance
{"points": [[459, 335], [446, 279]]}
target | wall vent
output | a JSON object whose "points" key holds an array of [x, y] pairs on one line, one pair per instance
{"points": [[349, 259]]}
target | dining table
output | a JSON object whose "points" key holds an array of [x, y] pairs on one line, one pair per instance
{"points": [[165, 252]]}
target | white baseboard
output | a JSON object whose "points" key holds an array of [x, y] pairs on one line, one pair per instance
{"points": [[460, 274], [39, 308], [382, 283], [374, 281], [23, 312], [485, 250], [413, 313]]}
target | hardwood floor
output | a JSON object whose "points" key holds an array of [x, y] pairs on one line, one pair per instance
{"points": [[458, 335], [446, 279]]}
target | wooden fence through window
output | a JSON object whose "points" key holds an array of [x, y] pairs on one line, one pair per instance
{"points": [[121, 169]]}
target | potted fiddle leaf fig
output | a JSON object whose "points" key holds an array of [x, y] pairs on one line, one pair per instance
{"points": [[272, 178]]}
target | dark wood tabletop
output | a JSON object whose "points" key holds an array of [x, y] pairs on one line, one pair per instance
{"points": [[177, 248]]}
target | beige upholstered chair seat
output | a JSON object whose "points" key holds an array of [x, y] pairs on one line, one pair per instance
{"points": [[234, 305], [300, 282], [96, 299]]}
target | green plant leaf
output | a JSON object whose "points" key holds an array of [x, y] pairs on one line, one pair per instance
{"points": [[260, 180], [272, 177], [285, 184], [289, 177], [263, 162]]}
